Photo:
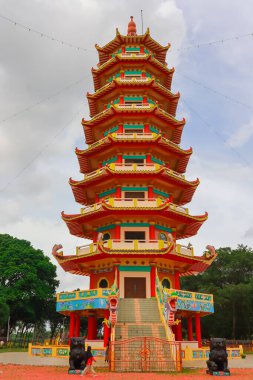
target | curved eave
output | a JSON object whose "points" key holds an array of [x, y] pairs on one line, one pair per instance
{"points": [[117, 83], [188, 187], [96, 73], [71, 263], [113, 110], [182, 155], [76, 222], [145, 39]]}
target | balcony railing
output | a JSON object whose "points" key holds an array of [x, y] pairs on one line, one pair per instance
{"points": [[133, 203], [123, 167], [134, 135], [134, 167], [134, 79], [136, 245], [133, 55], [135, 105], [115, 245]]}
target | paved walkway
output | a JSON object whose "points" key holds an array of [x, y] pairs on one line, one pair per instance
{"points": [[23, 358], [17, 372]]}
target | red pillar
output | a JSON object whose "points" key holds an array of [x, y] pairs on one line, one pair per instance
{"points": [[198, 329], [178, 332], [148, 158], [119, 159], [118, 192], [77, 325], [123, 49], [141, 49], [121, 99], [107, 330], [150, 192], [95, 236], [120, 128], [146, 128], [177, 280], [152, 281], [117, 232], [144, 99], [97, 199], [92, 327], [99, 165], [118, 276], [151, 232], [189, 328], [71, 325]]}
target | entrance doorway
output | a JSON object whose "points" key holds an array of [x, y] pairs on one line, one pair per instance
{"points": [[135, 287]]}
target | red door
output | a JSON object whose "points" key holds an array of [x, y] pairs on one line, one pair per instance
{"points": [[135, 287]]}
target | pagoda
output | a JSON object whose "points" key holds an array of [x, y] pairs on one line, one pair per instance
{"points": [[133, 196]]}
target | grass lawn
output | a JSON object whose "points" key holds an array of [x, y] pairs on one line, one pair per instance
{"points": [[13, 349]]}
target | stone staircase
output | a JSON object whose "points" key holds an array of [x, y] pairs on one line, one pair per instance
{"points": [[140, 318]]}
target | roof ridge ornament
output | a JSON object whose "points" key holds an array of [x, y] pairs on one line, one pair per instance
{"points": [[131, 29]]}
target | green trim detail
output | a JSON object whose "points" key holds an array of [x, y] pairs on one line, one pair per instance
{"points": [[108, 192], [134, 189], [133, 98], [130, 72], [113, 159], [161, 193], [133, 157], [133, 126], [104, 228], [135, 48], [163, 228], [114, 129], [156, 160], [134, 224], [153, 129], [123, 268]]}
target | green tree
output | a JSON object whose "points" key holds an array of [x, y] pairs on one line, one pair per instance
{"points": [[230, 279], [27, 280], [4, 313]]}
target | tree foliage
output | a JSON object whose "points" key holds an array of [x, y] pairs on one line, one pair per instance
{"points": [[27, 280], [230, 279]]}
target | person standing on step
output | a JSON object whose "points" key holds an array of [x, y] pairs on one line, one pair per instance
{"points": [[89, 364]]}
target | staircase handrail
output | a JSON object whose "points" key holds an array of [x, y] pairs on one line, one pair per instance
{"points": [[169, 334]]}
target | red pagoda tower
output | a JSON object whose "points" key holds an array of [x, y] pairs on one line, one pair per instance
{"points": [[133, 195]]}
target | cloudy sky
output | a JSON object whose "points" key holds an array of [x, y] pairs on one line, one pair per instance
{"points": [[43, 84]]}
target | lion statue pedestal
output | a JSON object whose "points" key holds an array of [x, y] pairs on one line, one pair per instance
{"points": [[77, 356], [218, 358]]}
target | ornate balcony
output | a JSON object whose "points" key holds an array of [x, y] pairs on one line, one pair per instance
{"points": [[192, 301], [82, 300], [142, 203], [113, 245]]}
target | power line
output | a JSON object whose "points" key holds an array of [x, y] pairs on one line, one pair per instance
{"points": [[45, 147], [62, 42], [215, 91], [33, 105], [42, 34], [210, 43], [217, 134]]}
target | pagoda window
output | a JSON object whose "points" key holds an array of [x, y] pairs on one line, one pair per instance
{"points": [[135, 235], [106, 236], [166, 283], [134, 160], [103, 283], [135, 194], [163, 236]]}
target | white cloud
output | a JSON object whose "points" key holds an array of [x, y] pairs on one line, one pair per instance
{"points": [[242, 135]]}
